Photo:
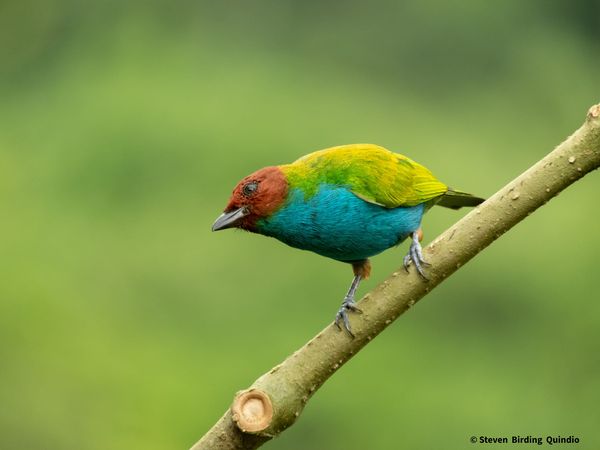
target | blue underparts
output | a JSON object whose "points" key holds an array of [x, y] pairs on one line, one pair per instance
{"points": [[337, 224]]}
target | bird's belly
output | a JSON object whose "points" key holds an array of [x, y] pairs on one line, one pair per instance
{"points": [[336, 223]]}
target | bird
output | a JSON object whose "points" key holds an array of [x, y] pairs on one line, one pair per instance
{"points": [[347, 203]]}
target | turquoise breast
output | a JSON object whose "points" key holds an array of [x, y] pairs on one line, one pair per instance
{"points": [[336, 223]]}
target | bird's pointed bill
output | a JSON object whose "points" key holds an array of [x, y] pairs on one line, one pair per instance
{"points": [[230, 219]]}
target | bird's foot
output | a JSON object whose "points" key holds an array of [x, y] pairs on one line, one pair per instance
{"points": [[415, 255], [342, 315]]}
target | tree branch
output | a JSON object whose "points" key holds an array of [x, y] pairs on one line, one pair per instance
{"points": [[277, 398]]}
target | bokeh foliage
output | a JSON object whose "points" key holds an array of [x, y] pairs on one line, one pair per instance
{"points": [[125, 323]]}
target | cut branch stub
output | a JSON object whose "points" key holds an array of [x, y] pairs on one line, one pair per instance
{"points": [[252, 411]]}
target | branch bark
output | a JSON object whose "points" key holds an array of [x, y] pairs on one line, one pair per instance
{"points": [[277, 398]]}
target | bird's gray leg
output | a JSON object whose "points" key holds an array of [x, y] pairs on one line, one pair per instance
{"points": [[415, 255], [348, 305]]}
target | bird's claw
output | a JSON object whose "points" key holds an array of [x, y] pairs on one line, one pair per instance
{"points": [[342, 315], [415, 255]]}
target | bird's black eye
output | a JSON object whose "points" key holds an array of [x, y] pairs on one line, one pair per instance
{"points": [[250, 188]]}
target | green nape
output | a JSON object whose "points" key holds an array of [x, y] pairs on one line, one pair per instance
{"points": [[373, 173]]}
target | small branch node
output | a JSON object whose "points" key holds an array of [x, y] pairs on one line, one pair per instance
{"points": [[252, 411], [594, 112]]}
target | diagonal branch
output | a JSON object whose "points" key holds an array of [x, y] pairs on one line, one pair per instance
{"points": [[277, 398]]}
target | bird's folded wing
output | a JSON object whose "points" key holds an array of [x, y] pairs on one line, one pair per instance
{"points": [[398, 181], [371, 172]]}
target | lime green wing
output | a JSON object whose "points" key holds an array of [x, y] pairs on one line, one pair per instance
{"points": [[371, 172]]}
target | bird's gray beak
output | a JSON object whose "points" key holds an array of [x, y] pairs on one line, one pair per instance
{"points": [[230, 219]]}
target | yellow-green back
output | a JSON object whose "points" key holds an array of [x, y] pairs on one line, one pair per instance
{"points": [[371, 172]]}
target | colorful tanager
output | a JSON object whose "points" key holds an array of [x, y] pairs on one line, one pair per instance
{"points": [[347, 203]]}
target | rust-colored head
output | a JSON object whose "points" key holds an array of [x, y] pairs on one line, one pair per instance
{"points": [[258, 195]]}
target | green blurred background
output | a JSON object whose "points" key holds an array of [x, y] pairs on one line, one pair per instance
{"points": [[126, 324]]}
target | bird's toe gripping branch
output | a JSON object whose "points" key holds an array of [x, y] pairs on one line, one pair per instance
{"points": [[342, 315], [361, 269], [415, 254]]}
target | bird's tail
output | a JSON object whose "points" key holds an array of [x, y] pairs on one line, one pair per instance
{"points": [[456, 199]]}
